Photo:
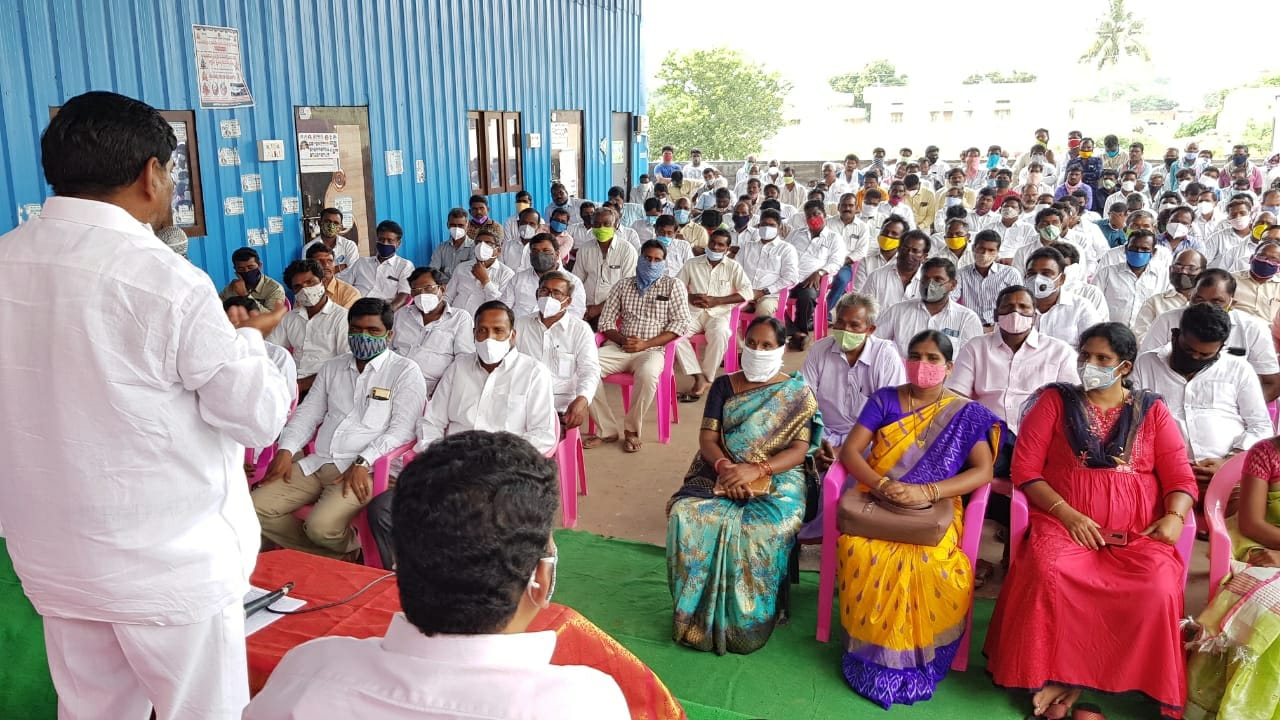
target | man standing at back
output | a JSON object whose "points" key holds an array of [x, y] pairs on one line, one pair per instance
{"points": [[125, 505]]}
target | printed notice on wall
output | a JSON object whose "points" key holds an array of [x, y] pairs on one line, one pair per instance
{"points": [[228, 157], [345, 204], [419, 171], [275, 224], [318, 152], [233, 206], [257, 237], [219, 71], [559, 136], [289, 206], [395, 162], [251, 183], [230, 128]]}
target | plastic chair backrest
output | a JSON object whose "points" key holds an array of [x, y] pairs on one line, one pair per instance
{"points": [[1215, 504]]}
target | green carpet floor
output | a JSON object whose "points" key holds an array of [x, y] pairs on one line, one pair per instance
{"points": [[622, 587]]}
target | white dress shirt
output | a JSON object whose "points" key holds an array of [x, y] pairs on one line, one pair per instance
{"points": [[842, 389], [567, 350], [1126, 292], [1069, 318], [771, 265], [517, 397], [1013, 238], [1234, 254], [1154, 307], [600, 272], [855, 235], [352, 413], [988, 371], [521, 294], [434, 345], [885, 285], [903, 321], [679, 252], [466, 293], [287, 367], [345, 252], [1161, 259], [128, 405], [825, 252], [1250, 339], [874, 260], [313, 341], [379, 279], [407, 675], [724, 278], [1219, 410]]}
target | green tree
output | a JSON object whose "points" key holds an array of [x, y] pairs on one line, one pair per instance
{"points": [[877, 72], [1151, 102], [1258, 137], [1201, 125], [1120, 33], [998, 78], [717, 101]]}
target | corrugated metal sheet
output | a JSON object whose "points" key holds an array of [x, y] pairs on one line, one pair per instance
{"points": [[419, 65]]}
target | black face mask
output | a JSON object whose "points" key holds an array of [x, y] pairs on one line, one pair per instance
{"points": [[1181, 362], [1182, 281]]}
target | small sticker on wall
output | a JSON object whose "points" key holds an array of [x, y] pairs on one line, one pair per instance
{"points": [[304, 113], [233, 206], [275, 225], [289, 206], [251, 183], [395, 162], [419, 171], [33, 210], [228, 157], [230, 128], [257, 237]]}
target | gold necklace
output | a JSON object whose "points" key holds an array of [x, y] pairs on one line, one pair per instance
{"points": [[923, 438]]}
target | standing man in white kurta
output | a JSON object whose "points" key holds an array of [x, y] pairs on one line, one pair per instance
{"points": [[126, 414]]}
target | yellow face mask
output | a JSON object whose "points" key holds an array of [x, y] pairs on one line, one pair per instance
{"points": [[957, 242], [887, 243], [1086, 153], [522, 206], [1258, 230]]}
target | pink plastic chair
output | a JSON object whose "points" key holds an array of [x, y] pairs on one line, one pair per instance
{"points": [[745, 318], [832, 485], [731, 352], [573, 471], [820, 316], [1274, 410], [1215, 505], [665, 401], [381, 471]]}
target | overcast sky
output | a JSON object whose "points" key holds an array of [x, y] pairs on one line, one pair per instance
{"points": [[942, 41]]}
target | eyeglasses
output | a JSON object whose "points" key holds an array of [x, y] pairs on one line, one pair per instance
{"points": [[1187, 269], [546, 292], [432, 289]]}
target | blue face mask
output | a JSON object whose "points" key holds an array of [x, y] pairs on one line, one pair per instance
{"points": [[1137, 258], [558, 227], [651, 219], [665, 240], [648, 272], [251, 278], [682, 216], [366, 347], [386, 250], [714, 256]]}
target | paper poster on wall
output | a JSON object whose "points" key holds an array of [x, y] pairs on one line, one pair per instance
{"points": [[559, 136], [395, 162], [318, 152], [419, 171], [346, 205], [228, 157], [289, 206], [619, 152], [257, 237], [233, 206], [219, 71], [569, 159], [275, 225], [251, 183], [230, 128]]}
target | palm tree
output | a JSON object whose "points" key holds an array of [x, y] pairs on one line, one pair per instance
{"points": [[1120, 33]]}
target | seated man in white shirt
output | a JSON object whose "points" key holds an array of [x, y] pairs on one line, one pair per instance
{"points": [[715, 283], [1063, 314], [1127, 286], [888, 238], [471, 581], [602, 262], [345, 252], [316, 330], [1250, 337], [511, 226], [384, 275], [900, 280], [430, 331], [478, 281], [644, 226], [521, 294], [820, 253], [515, 247], [933, 311], [1214, 397], [770, 263], [364, 405], [564, 344], [856, 236]]}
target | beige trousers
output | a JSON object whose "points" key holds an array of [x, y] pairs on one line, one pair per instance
{"points": [[327, 530], [718, 333], [646, 366]]}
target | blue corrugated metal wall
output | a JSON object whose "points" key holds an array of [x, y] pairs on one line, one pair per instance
{"points": [[419, 65]]}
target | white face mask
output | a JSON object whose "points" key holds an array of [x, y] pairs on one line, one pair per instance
{"points": [[549, 306], [1042, 287], [527, 232], [1204, 208], [761, 365], [484, 252], [310, 296], [426, 302], [1241, 223], [768, 232], [1127, 185], [457, 233], [492, 351], [1177, 230]]}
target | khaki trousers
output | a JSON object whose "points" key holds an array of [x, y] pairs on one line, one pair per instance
{"points": [[327, 530], [646, 366], [718, 335]]}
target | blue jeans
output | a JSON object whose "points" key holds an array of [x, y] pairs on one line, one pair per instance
{"points": [[838, 284]]}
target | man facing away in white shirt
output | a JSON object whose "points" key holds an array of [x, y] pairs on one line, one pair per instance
{"points": [[471, 581], [315, 331], [430, 331], [564, 344], [125, 508], [362, 406]]}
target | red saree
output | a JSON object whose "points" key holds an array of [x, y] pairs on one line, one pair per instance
{"points": [[1108, 619]]}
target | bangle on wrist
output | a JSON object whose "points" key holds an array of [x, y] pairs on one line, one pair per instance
{"points": [[716, 468], [883, 480], [766, 470], [1055, 505], [1181, 516]]}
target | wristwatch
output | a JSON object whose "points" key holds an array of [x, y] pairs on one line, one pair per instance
{"points": [[361, 462]]}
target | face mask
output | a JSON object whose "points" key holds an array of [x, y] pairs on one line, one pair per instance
{"points": [[1127, 186], [887, 243], [762, 365], [849, 341], [1137, 258], [954, 201], [1239, 159], [1258, 230], [1182, 281], [1269, 208], [714, 256], [522, 206], [1015, 323], [480, 219], [666, 239], [768, 232], [1108, 184], [492, 351], [1113, 153], [602, 234], [1039, 207], [1263, 269], [1050, 233], [682, 217], [869, 211], [310, 296], [934, 292], [740, 221], [1177, 230], [251, 278], [1002, 183], [788, 180], [1043, 287], [1034, 178], [1181, 362], [549, 307], [957, 242], [1096, 377], [366, 347], [543, 262], [925, 375], [1009, 212], [386, 250], [484, 252], [651, 219], [1241, 223], [426, 302], [984, 259], [648, 272], [558, 227], [816, 224], [527, 232], [1086, 154], [1204, 208]]}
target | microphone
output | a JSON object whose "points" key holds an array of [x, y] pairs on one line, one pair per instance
{"points": [[257, 604]]}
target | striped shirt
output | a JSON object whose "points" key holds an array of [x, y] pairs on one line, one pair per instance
{"points": [[979, 293]]}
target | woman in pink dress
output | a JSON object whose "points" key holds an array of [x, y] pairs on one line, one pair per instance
{"points": [[1078, 609]]}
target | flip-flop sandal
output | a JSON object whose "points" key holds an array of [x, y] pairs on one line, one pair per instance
{"points": [[632, 445], [688, 397], [595, 441], [1087, 711]]}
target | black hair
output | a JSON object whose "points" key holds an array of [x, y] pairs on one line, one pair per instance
{"points": [[317, 248], [814, 204], [523, 194], [390, 226], [655, 243], [771, 213], [652, 203], [779, 330], [1068, 251], [1051, 254], [525, 213], [478, 199], [771, 204], [496, 305], [364, 307], [710, 218], [988, 236], [545, 237], [419, 272], [1011, 290], [939, 339], [916, 234], [470, 520], [1047, 213], [331, 211], [1121, 339], [101, 141], [616, 191], [939, 262], [665, 221], [721, 233], [301, 266], [245, 254], [1213, 276], [1207, 322], [243, 301]]}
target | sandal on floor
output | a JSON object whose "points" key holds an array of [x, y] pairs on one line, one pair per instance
{"points": [[1087, 711], [632, 444], [688, 397], [595, 441]]}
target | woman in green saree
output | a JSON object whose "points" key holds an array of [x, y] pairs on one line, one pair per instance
{"points": [[732, 525]]}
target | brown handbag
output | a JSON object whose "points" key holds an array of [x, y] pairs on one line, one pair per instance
{"points": [[871, 515]]}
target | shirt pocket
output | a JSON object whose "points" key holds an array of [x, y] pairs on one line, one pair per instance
{"points": [[377, 413]]}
